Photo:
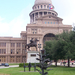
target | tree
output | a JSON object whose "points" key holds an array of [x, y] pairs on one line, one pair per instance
{"points": [[68, 38], [63, 47], [55, 49]]}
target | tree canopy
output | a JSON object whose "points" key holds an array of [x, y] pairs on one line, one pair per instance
{"points": [[63, 47]]}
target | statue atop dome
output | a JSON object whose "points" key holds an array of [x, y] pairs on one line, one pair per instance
{"points": [[43, 1]]}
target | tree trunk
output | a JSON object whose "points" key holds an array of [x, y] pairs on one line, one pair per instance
{"points": [[56, 63], [68, 62]]}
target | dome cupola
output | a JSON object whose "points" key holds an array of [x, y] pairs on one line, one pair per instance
{"points": [[41, 8]]}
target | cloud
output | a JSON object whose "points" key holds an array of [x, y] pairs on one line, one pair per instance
{"points": [[65, 10], [1, 19], [15, 26]]}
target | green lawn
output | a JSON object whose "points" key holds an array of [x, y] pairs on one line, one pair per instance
{"points": [[13, 63], [55, 71]]}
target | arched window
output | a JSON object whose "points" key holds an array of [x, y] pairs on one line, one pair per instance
{"points": [[49, 12], [52, 13], [35, 7], [48, 22], [51, 22], [38, 7], [45, 22], [54, 22]]}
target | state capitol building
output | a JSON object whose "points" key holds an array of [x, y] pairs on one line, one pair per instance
{"points": [[44, 25]]}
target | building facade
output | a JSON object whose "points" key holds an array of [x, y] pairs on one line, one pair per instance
{"points": [[44, 25]]}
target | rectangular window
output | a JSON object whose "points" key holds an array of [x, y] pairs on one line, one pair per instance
{"points": [[23, 44], [24, 59], [34, 31], [12, 59], [18, 51], [18, 59], [18, 44], [12, 51], [12, 44], [24, 51], [2, 44], [4, 51]]}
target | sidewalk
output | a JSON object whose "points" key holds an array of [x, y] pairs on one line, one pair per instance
{"points": [[65, 64], [9, 66]]}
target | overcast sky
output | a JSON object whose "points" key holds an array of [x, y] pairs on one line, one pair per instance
{"points": [[14, 14]]}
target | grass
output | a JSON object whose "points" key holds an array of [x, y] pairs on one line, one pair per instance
{"points": [[13, 63], [55, 71]]}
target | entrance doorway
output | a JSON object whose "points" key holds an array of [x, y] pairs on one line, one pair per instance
{"points": [[48, 37]]}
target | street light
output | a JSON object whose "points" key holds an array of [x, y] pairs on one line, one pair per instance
{"points": [[39, 46]]}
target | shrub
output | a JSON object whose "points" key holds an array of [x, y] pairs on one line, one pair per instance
{"points": [[26, 64]]}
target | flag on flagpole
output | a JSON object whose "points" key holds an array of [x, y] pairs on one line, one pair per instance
{"points": [[50, 6]]}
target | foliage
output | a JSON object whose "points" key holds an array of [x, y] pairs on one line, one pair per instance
{"points": [[63, 47], [26, 64]]}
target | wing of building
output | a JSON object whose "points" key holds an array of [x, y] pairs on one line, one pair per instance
{"points": [[44, 25]]}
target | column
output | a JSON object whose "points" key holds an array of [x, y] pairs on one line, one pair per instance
{"points": [[47, 13], [43, 6], [21, 59], [15, 48], [38, 15], [15, 59], [34, 17], [6, 59], [6, 48], [21, 48], [42, 13], [30, 19], [46, 6]]}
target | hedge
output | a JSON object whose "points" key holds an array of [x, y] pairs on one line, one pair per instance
{"points": [[26, 64]]}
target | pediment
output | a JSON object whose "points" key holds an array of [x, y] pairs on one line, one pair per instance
{"points": [[50, 17]]}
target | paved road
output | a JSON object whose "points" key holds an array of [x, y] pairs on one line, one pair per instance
{"points": [[9, 66]]}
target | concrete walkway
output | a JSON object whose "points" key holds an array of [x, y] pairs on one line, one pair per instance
{"points": [[65, 64]]}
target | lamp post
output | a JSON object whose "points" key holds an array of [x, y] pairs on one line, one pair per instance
{"points": [[24, 62], [24, 66], [39, 46]]}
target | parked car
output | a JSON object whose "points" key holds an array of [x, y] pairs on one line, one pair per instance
{"points": [[2, 64], [6, 64]]}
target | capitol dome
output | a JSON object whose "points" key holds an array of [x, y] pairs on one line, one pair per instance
{"points": [[42, 1]]}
